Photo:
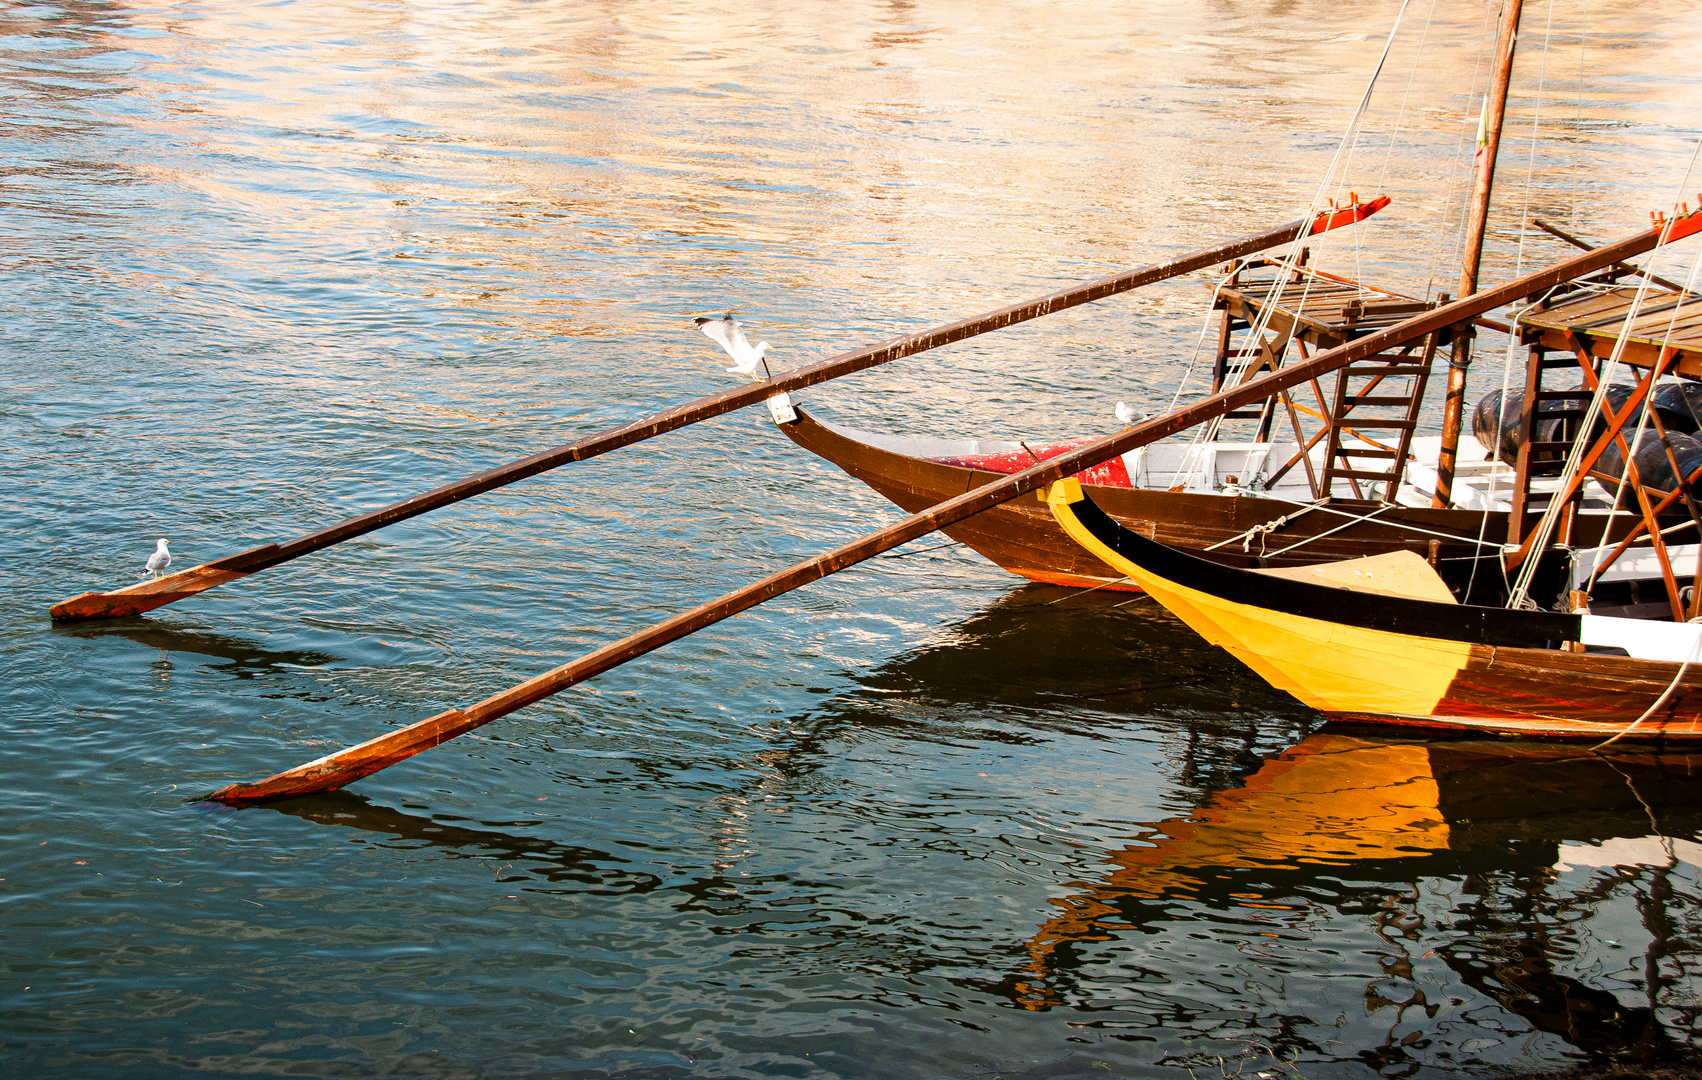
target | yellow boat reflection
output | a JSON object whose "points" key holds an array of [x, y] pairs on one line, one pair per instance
{"points": [[1343, 801]]}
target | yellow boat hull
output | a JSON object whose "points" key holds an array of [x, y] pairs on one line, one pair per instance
{"points": [[1355, 672]]}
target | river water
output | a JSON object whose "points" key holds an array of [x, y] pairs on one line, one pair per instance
{"points": [[268, 265]]}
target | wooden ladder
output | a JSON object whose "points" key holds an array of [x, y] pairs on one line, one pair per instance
{"points": [[1378, 396], [1232, 365], [1547, 457]]}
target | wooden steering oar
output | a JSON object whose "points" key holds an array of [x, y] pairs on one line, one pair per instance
{"points": [[147, 595], [346, 766]]}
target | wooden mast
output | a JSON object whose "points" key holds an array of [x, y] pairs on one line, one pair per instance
{"points": [[1489, 145], [335, 770], [147, 595]]}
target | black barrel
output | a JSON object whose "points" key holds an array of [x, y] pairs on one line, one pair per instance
{"points": [[1680, 405], [1484, 423], [1552, 430], [1653, 468]]}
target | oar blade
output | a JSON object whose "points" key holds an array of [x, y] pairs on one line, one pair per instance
{"points": [[142, 596], [158, 592], [346, 766]]}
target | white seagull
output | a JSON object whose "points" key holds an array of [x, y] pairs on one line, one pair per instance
{"points": [[159, 560], [726, 331], [1127, 414]]}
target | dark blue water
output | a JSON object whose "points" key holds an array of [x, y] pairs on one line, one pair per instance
{"points": [[266, 267]]}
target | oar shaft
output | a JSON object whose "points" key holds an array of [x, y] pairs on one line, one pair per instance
{"points": [[346, 766], [148, 595]]}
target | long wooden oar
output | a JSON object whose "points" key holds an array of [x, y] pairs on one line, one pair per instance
{"points": [[346, 766], [147, 595], [1561, 234]]}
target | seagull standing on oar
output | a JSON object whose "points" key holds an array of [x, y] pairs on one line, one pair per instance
{"points": [[159, 560], [1127, 414], [731, 337]]}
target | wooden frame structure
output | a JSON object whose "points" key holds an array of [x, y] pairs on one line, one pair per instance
{"points": [[1574, 332], [1382, 394], [1579, 331]]}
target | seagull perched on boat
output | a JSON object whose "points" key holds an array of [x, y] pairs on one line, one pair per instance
{"points": [[159, 560], [727, 332], [1127, 414]]}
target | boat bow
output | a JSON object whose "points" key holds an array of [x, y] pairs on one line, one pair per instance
{"points": [[1381, 651]]}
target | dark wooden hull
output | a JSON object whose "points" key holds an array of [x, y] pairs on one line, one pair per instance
{"points": [[1022, 536], [1554, 693]]}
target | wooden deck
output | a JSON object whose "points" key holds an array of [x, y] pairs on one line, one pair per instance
{"points": [[1322, 310], [1594, 321]]}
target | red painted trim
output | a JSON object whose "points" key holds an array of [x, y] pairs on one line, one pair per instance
{"points": [[1327, 220], [1110, 473]]}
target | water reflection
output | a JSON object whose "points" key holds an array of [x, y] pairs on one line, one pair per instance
{"points": [[1040, 662], [246, 658], [576, 868], [1353, 823], [1445, 898]]}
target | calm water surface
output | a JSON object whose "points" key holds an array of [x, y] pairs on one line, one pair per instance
{"points": [[268, 265]]}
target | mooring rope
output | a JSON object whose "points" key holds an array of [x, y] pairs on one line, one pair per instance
{"points": [[1246, 537], [1332, 532], [1689, 659]]}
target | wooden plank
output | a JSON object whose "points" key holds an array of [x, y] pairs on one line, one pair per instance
{"points": [[1566, 317], [1655, 327], [1613, 323], [346, 766], [1287, 309], [1582, 308], [1604, 317], [147, 595], [1637, 354]]}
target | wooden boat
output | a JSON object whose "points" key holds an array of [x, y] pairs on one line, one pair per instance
{"points": [[1382, 639], [1174, 497], [1271, 503], [1267, 503]]}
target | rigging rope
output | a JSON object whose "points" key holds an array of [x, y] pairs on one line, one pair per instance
{"points": [[1450, 240], [1625, 470], [1545, 527], [1583, 51], [1678, 677], [1199, 342], [1531, 154], [1324, 508], [1287, 263]]}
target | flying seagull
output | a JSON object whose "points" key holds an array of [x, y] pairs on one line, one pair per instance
{"points": [[727, 332], [159, 560], [1127, 414]]}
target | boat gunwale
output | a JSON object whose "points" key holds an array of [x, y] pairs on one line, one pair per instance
{"points": [[1392, 614]]}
